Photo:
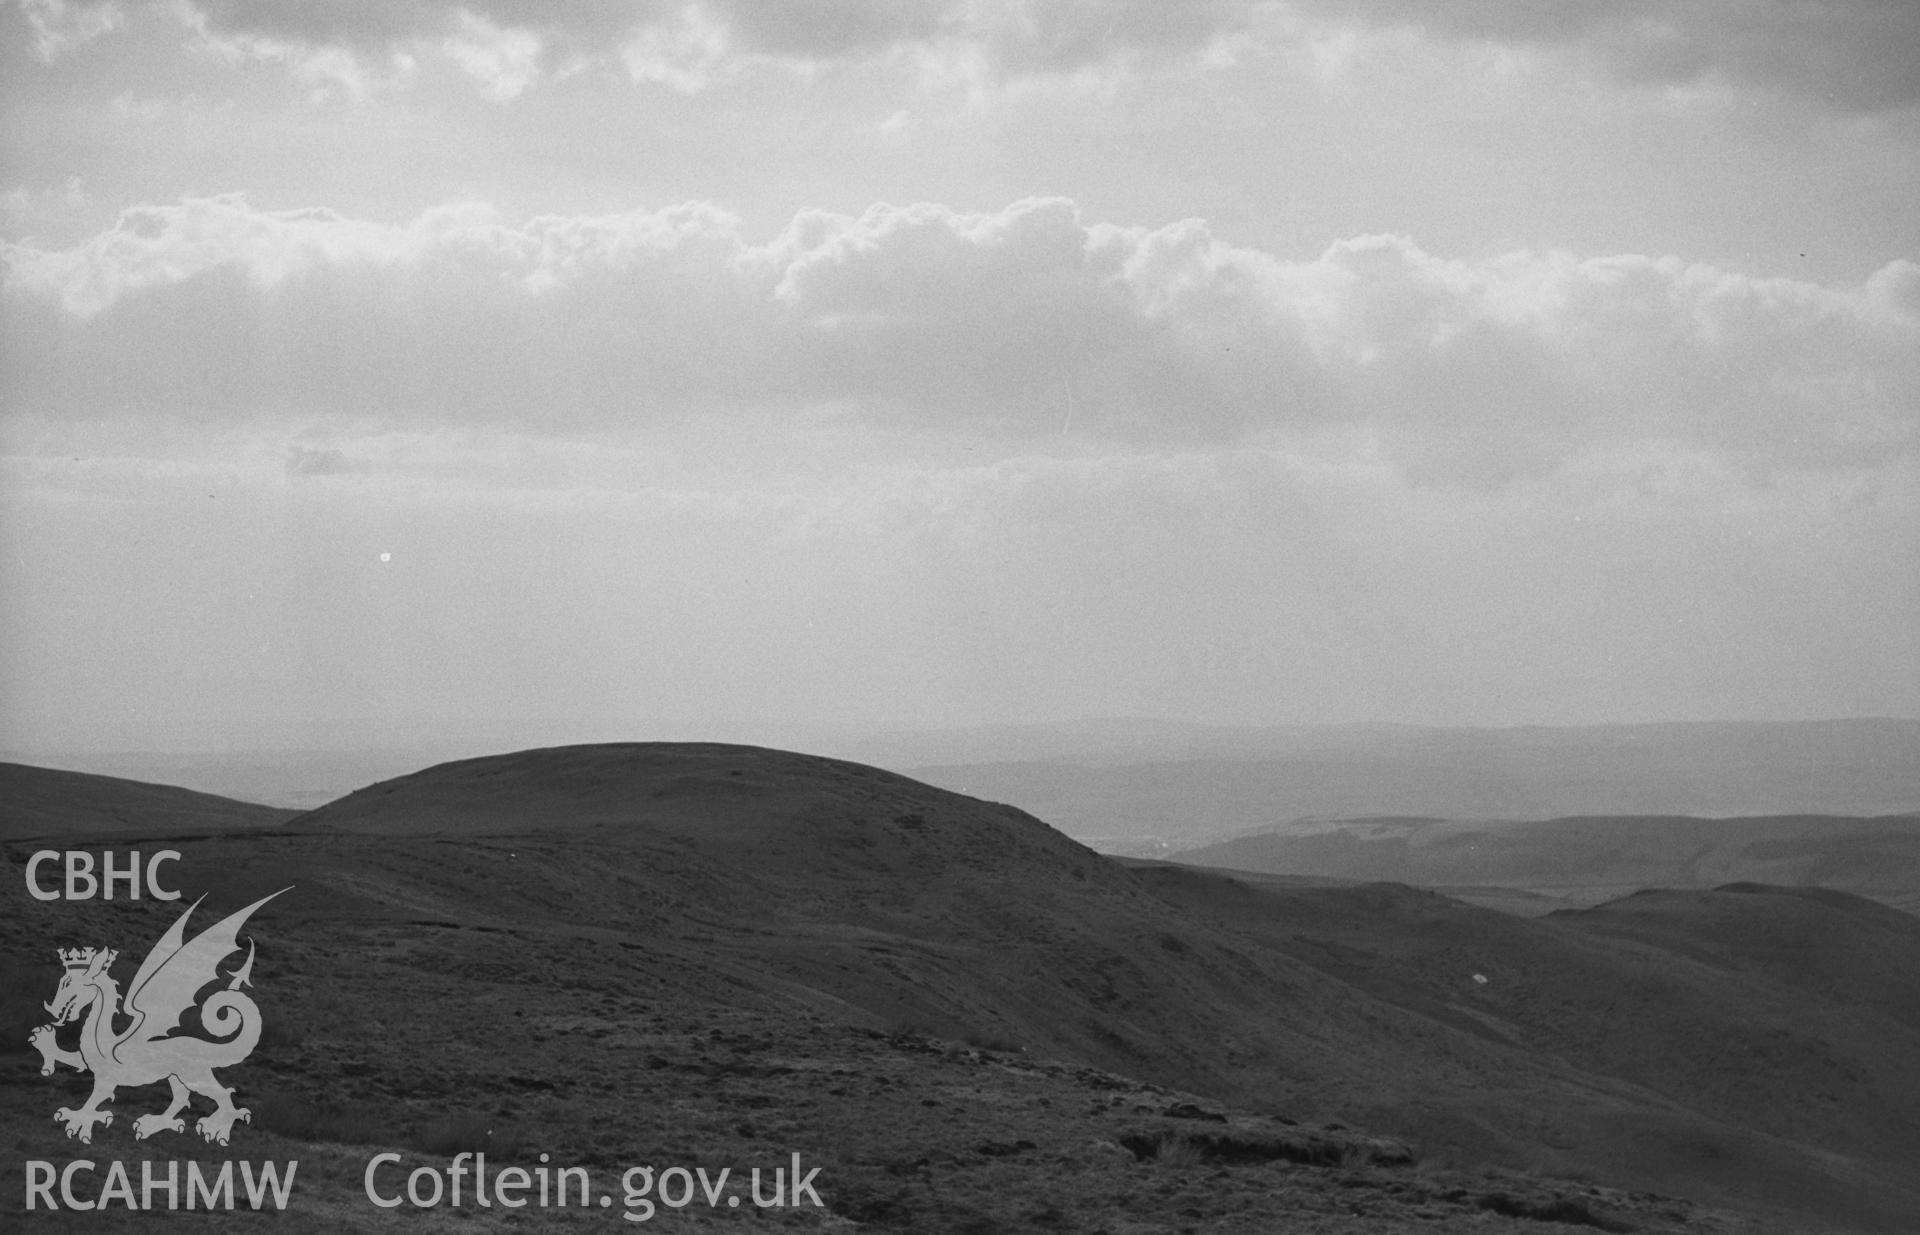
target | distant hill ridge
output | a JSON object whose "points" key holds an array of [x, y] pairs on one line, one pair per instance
{"points": [[1874, 856], [1208, 786]]}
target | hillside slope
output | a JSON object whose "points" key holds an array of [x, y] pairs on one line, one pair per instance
{"points": [[1783, 1012], [38, 801], [530, 937]]}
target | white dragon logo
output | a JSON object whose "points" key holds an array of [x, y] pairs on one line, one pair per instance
{"points": [[141, 1052]]}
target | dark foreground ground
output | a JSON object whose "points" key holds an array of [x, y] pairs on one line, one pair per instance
{"points": [[440, 1039]]}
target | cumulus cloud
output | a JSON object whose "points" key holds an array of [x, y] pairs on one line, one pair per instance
{"points": [[1027, 320]]}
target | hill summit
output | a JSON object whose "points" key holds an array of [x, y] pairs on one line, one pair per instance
{"points": [[764, 816]]}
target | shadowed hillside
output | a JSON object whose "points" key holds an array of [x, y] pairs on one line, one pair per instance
{"points": [[45, 802], [657, 952], [1783, 1012]]}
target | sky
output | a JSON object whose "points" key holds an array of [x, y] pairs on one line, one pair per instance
{"points": [[382, 370]]}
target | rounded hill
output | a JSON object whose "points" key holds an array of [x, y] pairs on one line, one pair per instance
{"points": [[752, 808]]}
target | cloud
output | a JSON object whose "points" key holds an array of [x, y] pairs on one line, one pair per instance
{"points": [[1023, 36], [506, 46], [1848, 55], [687, 45], [1853, 55], [60, 25], [688, 53], [321, 461], [1026, 321], [321, 65], [504, 61]]}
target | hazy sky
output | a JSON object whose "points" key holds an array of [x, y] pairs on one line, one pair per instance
{"points": [[375, 368]]}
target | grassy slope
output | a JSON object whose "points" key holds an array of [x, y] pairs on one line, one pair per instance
{"points": [[45, 802], [1745, 1026]]}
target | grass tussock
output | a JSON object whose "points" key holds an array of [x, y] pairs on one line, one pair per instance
{"points": [[468, 1133], [993, 1042], [299, 1119], [1241, 1146], [22, 990], [911, 1029], [1179, 1152]]}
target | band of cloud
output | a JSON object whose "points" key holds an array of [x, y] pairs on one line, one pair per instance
{"points": [[1849, 55], [1025, 320]]}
